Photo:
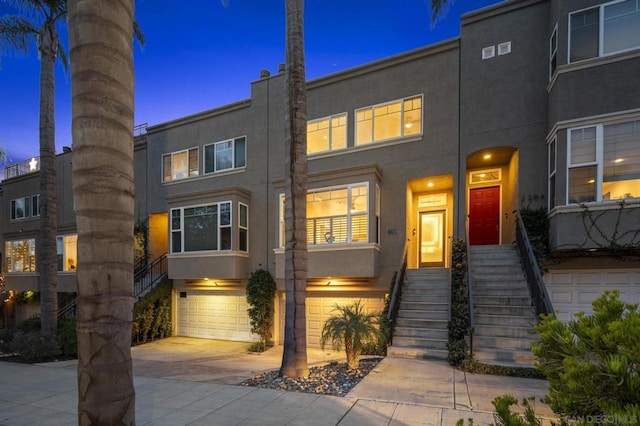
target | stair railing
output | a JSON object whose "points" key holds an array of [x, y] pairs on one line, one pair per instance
{"points": [[469, 279], [69, 310], [537, 288], [153, 273], [397, 290]]}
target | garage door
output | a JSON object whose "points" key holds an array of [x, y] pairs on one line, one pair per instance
{"points": [[321, 307], [572, 291], [214, 315]]}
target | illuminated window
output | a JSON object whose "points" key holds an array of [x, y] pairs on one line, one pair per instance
{"points": [[180, 165], [243, 227], [327, 134], [389, 121], [201, 228], [24, 208], [338, 215], [604, 162], [67, 248], [604, 30], [20, 255], [225, 155]]}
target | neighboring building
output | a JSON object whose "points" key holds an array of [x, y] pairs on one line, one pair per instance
{"points": [[535, 105]]}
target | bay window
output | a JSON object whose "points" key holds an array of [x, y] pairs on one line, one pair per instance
{"points": [[201, 228], [20, 255]]}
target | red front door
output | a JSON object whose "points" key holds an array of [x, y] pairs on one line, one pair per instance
{"points": [[484, 216]]}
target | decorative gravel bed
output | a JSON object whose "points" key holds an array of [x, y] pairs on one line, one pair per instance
{"points": [[331, 379]]}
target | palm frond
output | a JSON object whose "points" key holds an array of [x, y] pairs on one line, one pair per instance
{"points": [[439, 8], [15, 33], [27, 7], [62, 56], [138, 34]]}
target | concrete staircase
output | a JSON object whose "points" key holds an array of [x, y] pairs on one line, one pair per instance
{"points": [[420, 329], [504, 315]]}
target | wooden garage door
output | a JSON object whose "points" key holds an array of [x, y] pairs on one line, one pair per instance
{"points": [[214, 315], [572, 291]]}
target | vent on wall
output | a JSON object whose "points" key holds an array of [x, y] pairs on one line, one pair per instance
{"points": [[504, 48], [488, 52]]}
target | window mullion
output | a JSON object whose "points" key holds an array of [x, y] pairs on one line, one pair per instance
{"points": [[601, 31], [599, 160]]}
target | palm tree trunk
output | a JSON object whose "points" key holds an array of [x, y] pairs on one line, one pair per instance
{"points": [[294, 357], [100, 39], [46, 247]]}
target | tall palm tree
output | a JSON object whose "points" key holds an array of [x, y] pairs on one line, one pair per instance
{"points": [[438, 9], [16, 32], [294, 357], [102, 83]]}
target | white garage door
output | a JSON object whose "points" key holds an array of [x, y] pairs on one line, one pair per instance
{"points": [[572, 291], [321, 307], [214, 315]]}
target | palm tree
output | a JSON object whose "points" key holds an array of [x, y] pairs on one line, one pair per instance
{"points": [[352, 326], [294, 357], [16, 32], [100, 41], [438, 8]]}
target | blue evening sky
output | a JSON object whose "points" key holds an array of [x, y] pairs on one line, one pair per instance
{"points": [[202, 54]]}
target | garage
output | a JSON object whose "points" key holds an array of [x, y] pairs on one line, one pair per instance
{"points": [[572, 291], [214, 315], [320, 307]]}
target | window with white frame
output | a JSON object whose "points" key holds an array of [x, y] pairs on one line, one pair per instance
{"points": [[337, 215], [604, 30], [243, 227], [25, 208], [327, 134], [180, 165], [201, 228], [552, 173], [604, 162], [391, 120], [20, 255], [553, 52], [67, 250], [225, 155]]}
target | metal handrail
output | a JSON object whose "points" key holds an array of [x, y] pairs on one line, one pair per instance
{"points": [[537, 288], [397, 284], [469, 278], [150, 275]]}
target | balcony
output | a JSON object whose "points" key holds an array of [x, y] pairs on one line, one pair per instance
{"points": [[22, 168]]}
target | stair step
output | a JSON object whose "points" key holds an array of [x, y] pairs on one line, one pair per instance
{"points": [[423, 333], [424, 306], [435, 291], [493, 342], [506, 357], [422, 323], [522, 311], [418, 342], [417, 353], [424, 298], [505, 320], [502, 299], [501, 331]]}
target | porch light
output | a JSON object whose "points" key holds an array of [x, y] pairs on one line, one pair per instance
{"points": [[430, 184], [487, 156]]}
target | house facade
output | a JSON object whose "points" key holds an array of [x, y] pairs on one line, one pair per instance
{"points": [[535, 105]]}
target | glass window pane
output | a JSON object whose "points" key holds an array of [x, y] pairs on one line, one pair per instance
{"points": [[179, 165], [621, 26], [582, 184], [201, 228], [339, 132], [584, 35], [621, 156], [176, 243], [583, 145], [244, 215], [387, 122], [364, 127], [225, 214], [412, 116], [240, 152], [166, 167], [193, 162], [318, 136], [224, 155], [209, 159], [243, 240], [552, 157], [359, 228]]}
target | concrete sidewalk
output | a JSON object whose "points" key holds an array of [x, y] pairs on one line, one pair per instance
{"points": [[397, 392]]}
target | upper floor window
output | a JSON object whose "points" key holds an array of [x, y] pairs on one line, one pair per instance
{"points": [[243, 227], [552, 173], [338, 215], [553, 52], [67, 250], [21, 255], [327, 134], [201, 228], [604, 30], [24, 208], [390, 120], [180, 165], [225, 155], [604, 162]]}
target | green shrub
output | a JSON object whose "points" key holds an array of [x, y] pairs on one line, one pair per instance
{"points": [[30, 324], [351, 327], [32, 347], [6, 337], [379, 345], [152, 314], [592, 362], [472, 366], [261, 292], [67, 336], [459, 324]]}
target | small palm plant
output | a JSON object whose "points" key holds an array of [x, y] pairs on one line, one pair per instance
{"points": [[351, 326]]}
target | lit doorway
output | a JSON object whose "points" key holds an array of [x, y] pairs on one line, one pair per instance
{"points": [[432, 239]]}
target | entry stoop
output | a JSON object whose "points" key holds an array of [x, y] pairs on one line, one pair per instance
{"points": [[421, 327], [504, 313]]}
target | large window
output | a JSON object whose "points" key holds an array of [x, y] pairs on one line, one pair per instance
{"points": [[67, 248], [24, 208], [201, 228], [21, 255], [604, 162], [327, 134], [392, 120], [180, 165], [604, 30], [225, 155], [338, 215]]}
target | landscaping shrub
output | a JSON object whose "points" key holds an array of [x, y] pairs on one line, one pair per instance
{"points": [[459, 324], [32, 346], [261, 292], [592, 363], [67, 337], [152, 315], [30, 324], [472, 366], [6, 337], [536, 222]]}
